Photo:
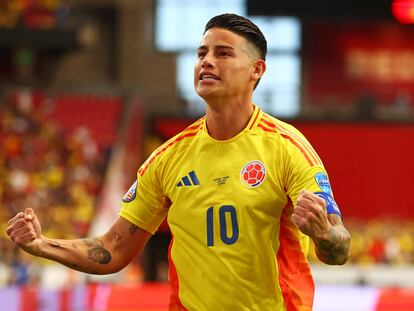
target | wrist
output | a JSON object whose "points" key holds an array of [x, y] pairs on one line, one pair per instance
{"points": [[42, 247], [34, 247]]}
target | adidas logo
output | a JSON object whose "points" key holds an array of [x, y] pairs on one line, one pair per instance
{"points": [[189, 180]]}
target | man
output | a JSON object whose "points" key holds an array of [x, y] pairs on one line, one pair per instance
{"points": [[242, 192]]}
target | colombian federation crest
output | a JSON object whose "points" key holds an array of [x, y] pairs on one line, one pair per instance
{"points": [[131, 193], [253, 174]]}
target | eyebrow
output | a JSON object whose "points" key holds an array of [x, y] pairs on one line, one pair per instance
{"points": [[205, 47]]}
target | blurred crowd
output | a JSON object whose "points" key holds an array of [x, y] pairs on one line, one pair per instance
{"points": [[42, 166], [379, 241], [40, 14]]}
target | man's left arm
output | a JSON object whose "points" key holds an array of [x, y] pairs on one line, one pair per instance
{"points": [[327, 231]]}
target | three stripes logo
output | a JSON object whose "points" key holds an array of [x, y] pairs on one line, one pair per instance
{"points": [[189, 180]]}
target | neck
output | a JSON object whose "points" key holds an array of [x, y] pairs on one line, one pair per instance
{"points": [[226, 120]]}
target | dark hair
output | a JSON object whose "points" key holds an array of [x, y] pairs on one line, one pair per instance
{"points": [[243, 27]]}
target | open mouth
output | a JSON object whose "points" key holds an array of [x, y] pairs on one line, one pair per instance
{"points": [[208, 77]]}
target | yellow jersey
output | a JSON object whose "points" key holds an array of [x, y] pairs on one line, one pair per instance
{"points": [[228, 204]]}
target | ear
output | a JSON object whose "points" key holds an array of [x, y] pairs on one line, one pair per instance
{"points": [[259, 68]]}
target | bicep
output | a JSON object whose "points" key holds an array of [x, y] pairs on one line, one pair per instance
{"points": [[125, 240]]}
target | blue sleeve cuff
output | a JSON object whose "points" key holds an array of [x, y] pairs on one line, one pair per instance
{"points": [[331, 206]]}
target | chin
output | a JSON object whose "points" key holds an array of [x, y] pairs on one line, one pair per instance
{"points": [[204, 94], [207, 93]]}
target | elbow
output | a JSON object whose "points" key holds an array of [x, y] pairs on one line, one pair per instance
{"points": [[346, 249], [337, 261], [343, 252], [109, 269], [115, 265], [114, 269], [341, 260]]}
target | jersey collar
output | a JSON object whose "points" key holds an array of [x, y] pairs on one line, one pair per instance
{"points": [[253, 122]]}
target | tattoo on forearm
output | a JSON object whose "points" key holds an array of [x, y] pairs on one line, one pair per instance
{"points": [[132, 229], [335, 250], [92, 241], [74, 245], [53, 243], [39, 251], [96, 251]]}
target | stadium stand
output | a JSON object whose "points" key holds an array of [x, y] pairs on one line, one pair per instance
{"points": [[54, 158]]}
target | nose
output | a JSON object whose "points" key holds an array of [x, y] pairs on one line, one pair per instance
{"points": [[207, 61]]}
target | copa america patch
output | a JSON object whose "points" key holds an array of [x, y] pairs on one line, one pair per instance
{"points": [[131, 193], [253, 174], [323, 182]]}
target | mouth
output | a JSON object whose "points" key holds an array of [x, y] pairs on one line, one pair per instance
{"points": [[208, 77]]}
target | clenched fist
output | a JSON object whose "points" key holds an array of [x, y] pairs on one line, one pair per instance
{"points": [[24, 230], [310, 215]]}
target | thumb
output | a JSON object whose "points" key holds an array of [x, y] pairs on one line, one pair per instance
{"points": [[30, 215]]}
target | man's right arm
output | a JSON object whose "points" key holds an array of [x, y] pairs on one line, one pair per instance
{"points": [[105, 254]]}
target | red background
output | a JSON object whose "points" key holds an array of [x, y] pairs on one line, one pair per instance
{"points": [[327, 47], [371, 166]]}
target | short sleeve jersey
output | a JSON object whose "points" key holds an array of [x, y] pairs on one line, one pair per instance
{"points": [[228, 204]]}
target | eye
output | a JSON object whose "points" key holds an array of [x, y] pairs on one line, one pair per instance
{"points": [[224, 53], [201, 54]]}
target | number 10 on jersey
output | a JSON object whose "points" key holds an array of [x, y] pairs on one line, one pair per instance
{"points": [[224, 212]]}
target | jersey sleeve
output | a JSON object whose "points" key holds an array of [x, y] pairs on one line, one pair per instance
{"points": [[145, 204], [306, 171]]}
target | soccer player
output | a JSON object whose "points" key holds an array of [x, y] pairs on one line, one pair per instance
{"points": [[242, 192]]}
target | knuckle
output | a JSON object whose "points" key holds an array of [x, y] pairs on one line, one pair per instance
{"points": [[310, 217], [299, 222], [321, 202], [22, 222], [316, 207], [320, 209], [300, 202], [18, 222], [13, 237]]}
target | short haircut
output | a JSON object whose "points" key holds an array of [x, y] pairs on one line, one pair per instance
{"points": [[243, 27]]}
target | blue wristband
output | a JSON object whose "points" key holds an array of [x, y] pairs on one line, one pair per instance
{"points": [[331, 206]]}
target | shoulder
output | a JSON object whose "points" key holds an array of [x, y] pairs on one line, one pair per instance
{"points": [[278, 128], [183, 138], [288, 138], [171, 146]]}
